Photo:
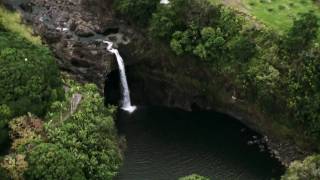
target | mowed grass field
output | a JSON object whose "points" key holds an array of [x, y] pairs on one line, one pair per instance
{"points": [[279, 14], [276, 14]]}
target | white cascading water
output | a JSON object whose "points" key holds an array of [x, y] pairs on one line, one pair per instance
{"points": [[126, 101]]}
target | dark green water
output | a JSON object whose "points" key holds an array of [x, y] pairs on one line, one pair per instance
{"points": [[165, 144]]}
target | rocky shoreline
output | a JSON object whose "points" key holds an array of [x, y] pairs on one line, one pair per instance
{"points": [[74, 30]]}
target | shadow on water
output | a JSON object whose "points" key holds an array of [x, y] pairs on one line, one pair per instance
{"points": [[164, 144]]}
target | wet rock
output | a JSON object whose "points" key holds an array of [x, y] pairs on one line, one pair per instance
{"points": [[83, 31], [52, 37], [27, 6]]}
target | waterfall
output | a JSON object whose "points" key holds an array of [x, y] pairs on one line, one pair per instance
{"points": [[126, 101]]}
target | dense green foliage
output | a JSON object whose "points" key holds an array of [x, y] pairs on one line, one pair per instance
{"points": [[139, 10], [3, 174], [306, 169], [303, 33], [194, 177], [72, 145], [89, 135], [29, 77], [78, 141], [201, 29], [5, 114], [304, 91], [49, 161], [24, 132]]}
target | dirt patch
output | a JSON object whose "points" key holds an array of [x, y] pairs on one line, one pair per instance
{"points": [[237, 4]]}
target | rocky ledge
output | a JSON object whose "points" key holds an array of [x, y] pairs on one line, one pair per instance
{"points": [[74, 30]]}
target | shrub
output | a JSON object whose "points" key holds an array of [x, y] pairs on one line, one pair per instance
{"points": [[212, 41], [163, 23], [82, 145], [180, 15], [29, 77], [206, 43], [306, 169], [185, 42], [23, 131], [3, 174], [304, 93], [50, 162], [5, 114], [302, 34], [15, 166], [194, 177], [139, 11], [243, 49], [2, 28], [89, 134]]}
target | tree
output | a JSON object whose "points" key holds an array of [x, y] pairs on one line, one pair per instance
{"points": [[50, 162], [90, 135], [308, 169], [304, 92], [164, 23], [29, 77], [3, 174], [302, 34], [243, 49], [2, 28], [139, 11], [229, 22], [185, 42], [14, 166], [211, 44], [5, 114], [194, 177], [206, 43]]}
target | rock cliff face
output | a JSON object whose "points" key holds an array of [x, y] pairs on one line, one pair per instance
{"points": [[74, 30]]}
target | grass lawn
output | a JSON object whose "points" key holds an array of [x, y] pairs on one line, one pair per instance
{"points": [[277, 14]]}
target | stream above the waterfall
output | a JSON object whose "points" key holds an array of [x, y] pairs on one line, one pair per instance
{"points": [[165, 144]]}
